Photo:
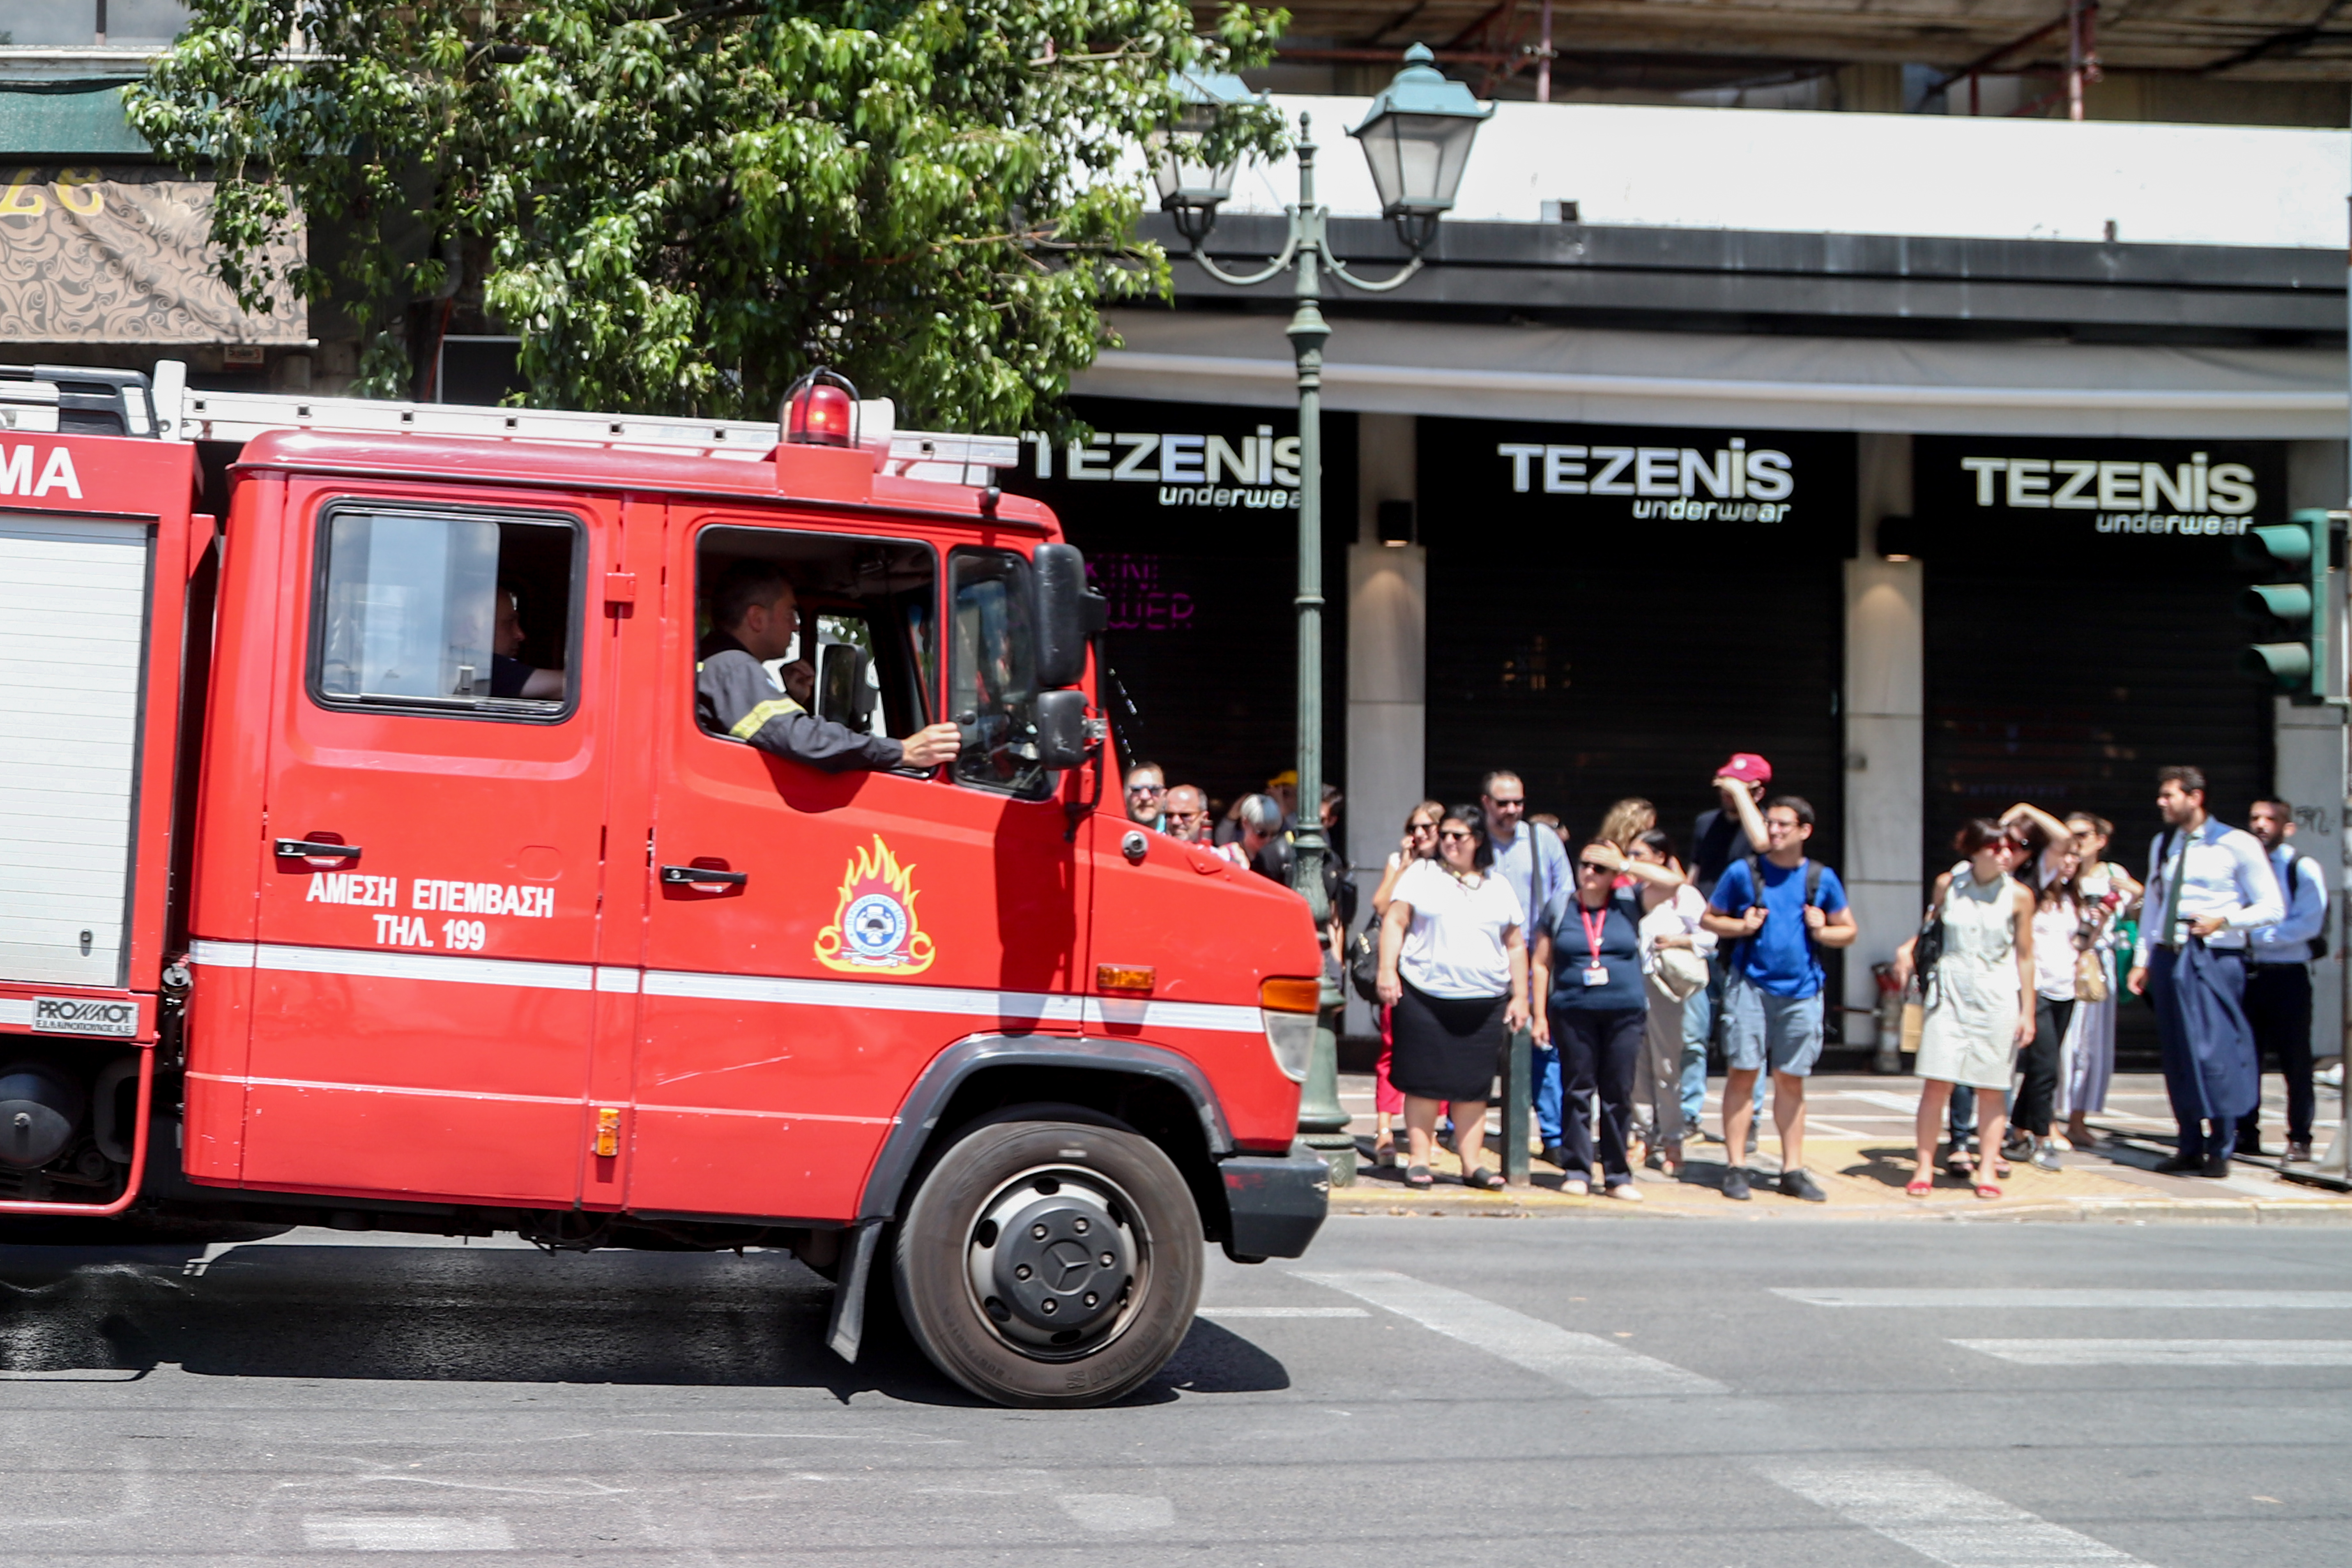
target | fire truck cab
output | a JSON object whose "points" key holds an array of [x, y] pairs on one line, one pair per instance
{"points": [[364, 861]]}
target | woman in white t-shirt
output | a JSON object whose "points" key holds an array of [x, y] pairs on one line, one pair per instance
{"points": [[1454, 973], [2058, 909], [1674, 951]]}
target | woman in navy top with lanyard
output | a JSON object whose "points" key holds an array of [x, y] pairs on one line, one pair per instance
{"points": [[1590, 1006]]}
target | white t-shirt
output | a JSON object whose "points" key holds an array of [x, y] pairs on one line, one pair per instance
{"points": [[1453, 946], [1677, 916], [2053, 950]]}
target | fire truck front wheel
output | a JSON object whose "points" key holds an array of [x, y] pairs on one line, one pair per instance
{"points": [[1050, 1263]]}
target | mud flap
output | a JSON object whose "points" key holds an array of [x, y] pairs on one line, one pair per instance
{"points": [[848, 1324]]}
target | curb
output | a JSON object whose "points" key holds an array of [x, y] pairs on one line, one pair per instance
{"points": [[2078, 1211]]}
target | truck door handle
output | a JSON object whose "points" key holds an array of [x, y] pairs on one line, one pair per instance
{"points": [[704, 874], [304, 848]]}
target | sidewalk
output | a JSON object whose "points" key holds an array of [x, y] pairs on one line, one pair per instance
{"points": [[1858, 1146]]}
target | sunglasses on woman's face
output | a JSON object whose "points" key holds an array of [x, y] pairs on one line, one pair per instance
{"points": [[1595, 865], [1451, 834]]}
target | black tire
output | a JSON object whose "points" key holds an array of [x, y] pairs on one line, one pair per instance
{"points": [[1081, 1191]]}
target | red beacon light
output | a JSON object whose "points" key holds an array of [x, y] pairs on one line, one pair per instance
{"points": [[820, 410]]}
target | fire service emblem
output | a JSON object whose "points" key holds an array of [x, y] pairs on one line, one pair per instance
{"points": [[874, 928]]}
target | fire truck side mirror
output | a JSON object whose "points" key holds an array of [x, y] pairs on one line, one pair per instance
{"points": [[1062, 728], [1069, 612]]}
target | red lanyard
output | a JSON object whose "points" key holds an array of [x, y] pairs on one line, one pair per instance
{"points": [[1593, 926]]}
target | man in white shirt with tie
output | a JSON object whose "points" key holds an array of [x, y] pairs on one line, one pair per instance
{"points": [[2278, 977], [2208, 887]]}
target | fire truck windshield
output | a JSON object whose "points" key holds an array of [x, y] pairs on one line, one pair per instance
{"points": [[991, 680]]}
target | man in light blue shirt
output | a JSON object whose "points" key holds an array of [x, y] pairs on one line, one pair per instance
{"points": [[1525, 857], [2278, 977], [2208, 888]]}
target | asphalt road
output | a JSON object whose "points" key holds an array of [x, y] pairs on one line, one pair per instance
{"points": [[1420, 1391]]}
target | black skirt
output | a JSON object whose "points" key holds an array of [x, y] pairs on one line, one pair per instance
{"points": [[1445, 1047]]}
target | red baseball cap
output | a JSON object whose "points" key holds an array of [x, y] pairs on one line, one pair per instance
{"points": [[1747, 767]]}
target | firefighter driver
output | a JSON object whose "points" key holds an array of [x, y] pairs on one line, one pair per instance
{"points": [[754, 615]]}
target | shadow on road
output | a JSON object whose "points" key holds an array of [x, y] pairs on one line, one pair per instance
{"points": [[286, 1309]]}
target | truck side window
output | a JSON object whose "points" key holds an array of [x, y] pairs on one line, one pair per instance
{"points": [[455, 614], [992, 678], [858, 648]]}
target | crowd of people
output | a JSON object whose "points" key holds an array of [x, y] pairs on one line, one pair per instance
{"points": [[1624, 961]]}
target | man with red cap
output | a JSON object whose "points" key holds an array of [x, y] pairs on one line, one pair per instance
{"points": [[1722, 836]]}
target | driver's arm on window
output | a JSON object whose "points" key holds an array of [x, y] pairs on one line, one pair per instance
{"points": [[733, 696]]}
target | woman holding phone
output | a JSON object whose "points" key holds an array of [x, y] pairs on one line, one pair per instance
{"points": [[1454, 975]]}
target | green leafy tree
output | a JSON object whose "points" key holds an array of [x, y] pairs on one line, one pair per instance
{"points": [[683, 206]]}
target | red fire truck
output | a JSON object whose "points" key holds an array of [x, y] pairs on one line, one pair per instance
{"points": [[306, 918]]}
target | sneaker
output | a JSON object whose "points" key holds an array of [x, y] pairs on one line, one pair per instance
{"points": [[1798, 1184], [2045, 1158], [2179, 1164], [2216, 1167], [1576, 1187], [2298, 1151], [1625, 1191], [1735, 1185]]}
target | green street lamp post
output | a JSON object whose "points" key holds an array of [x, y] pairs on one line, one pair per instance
{"points": [[1416, 138]]}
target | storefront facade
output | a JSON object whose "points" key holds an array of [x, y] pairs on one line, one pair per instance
{"points": [[1917, 626]]}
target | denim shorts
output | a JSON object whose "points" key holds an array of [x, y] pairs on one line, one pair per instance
{"points": [[1761, 1029]]}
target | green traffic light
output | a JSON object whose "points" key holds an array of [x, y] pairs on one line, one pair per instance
{"points": [[2282, 601], [2280, 543], [2287, 665]]}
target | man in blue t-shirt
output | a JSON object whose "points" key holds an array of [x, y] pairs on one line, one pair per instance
{"points": [[1772, 1001]]}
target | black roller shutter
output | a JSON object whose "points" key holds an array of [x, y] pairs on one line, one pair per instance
{"points": [[1600, 656], [2065, 665], [1204, 624]]}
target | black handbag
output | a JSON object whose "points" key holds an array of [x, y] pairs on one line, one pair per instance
{"points": [[1364, 961], [1927, 950]]}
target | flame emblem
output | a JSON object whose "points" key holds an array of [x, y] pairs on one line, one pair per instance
{"points": [[874, 927]]}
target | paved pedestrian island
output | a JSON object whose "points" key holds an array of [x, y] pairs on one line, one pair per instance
{"points": [[1858, 1147]]}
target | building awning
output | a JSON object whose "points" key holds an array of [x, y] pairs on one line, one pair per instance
{"points": [[66, 119], [92, 253], [1573, 375]]}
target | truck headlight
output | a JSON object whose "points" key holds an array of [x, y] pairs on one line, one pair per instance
{"points": [[1290, 1008]]}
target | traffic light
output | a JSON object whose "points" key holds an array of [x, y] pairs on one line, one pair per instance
{"points": [[2307, 545]]}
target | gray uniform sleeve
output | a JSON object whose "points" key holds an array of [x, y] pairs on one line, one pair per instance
{"points": [[734, 696]]}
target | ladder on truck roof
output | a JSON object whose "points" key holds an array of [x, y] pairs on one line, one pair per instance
{"points": [[169, 408]]}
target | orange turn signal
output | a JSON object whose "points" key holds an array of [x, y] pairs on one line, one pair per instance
{"points": [[1290, 995], [1124, 977], [608, 1132]]}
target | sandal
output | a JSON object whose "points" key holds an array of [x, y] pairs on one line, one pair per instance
{"points": [[2000, 1170], [1418, 1178], [1987, 1190], [1919, 1187], [1485, 1180]]}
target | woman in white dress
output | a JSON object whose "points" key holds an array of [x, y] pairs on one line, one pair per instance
{"points": [[2088, 1060], [1977, 1012]]}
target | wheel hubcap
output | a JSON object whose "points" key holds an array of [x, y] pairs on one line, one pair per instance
{"points": [[1057, 1262]]}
